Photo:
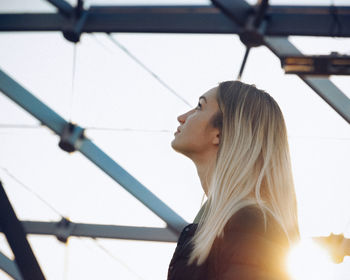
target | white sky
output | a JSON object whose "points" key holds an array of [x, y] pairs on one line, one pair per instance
{"points": [[112, 91]]}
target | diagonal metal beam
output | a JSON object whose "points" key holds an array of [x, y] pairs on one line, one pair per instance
{"points": [[281, 20], [63, 7], [10, 267], [325, 88], [55, 122], [282, 47], [239, 11], [17, 239]]}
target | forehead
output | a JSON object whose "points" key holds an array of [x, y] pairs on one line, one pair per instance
{"points": [[211, 93]]}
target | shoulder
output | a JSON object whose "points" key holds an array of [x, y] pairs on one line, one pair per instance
{"points": [[247, 218], [251, 220], [247, 242]]}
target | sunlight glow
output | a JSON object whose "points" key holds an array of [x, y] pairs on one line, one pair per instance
{"points": [[307, 260]]}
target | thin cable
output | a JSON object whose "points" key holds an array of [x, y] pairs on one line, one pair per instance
{"points": [[31, 191], [116, 259], [127, 129], [4, 125], [20, 126], [123, 48], [320, 138], [73, 82], [101, 44], [66, 260]]}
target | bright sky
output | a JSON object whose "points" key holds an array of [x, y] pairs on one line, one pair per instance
{"points": [[112, 91]]}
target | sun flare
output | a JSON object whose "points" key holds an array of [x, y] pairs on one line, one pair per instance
{"points": [[307, 260]]}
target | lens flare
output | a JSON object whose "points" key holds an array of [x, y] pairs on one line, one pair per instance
{"points": [[307, 260]]}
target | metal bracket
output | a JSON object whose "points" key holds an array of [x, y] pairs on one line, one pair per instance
{"points": [[74, 26], [255, 26], [64, 229], [253, 36], [71, 137]]}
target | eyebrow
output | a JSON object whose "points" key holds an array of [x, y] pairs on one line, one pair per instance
{"points": [[203, 97]]}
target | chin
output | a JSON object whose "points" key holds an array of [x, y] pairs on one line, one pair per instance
{"points": [[181, 150], [173, 145]]}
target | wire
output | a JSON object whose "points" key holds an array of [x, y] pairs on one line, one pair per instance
{"points": [[124, 49], [31, 191], [25, 126], [320, 138], [128, 129], [112, 256], [66, 260], [93, 35], [73, 81], [15, 126], [4, 125]]}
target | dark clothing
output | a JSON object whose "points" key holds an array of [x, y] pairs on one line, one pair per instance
{"points": [[245, 252]]}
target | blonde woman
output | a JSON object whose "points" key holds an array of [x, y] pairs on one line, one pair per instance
{"points": [[237, 139]]}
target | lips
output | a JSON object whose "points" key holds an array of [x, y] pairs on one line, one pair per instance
{"points": [[177, 131]]}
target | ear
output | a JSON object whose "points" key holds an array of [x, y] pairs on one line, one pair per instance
{"points": [[216, 139]]}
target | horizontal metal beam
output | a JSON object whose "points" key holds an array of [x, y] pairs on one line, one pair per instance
{"points": [[52, 120], [191, 19], [325, 88], [281, 20], [10, 267], [100, 231]]}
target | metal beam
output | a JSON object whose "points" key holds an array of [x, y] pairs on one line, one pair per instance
{"points": [[63, 7], [17, 239], [52, 120], [99, 231], [325, 88], [10, 267], [236, 10], [281, 47], [281, 20]]}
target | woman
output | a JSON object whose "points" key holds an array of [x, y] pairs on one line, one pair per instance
{"points": [[237, 138]]}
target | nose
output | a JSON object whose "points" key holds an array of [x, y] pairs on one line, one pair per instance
{"points": [[182, 118]]}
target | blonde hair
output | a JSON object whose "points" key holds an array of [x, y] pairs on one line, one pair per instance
{"points": [[252, 165]]}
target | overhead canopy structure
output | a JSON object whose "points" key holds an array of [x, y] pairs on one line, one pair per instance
{"points": [[258, 25]]}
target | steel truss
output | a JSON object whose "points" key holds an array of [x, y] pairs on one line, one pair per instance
{"points": [[73, 138], [256, 25], [283, 20]]}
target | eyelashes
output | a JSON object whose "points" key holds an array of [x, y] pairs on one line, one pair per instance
{"points": [[199, 106]]}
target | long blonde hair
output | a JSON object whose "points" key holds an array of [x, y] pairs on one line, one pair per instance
{"points": [[252, 166]]}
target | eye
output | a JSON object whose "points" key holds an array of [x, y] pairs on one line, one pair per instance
{"points": [[199, 106]]}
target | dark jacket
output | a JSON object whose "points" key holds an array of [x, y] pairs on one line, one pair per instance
{"points": [[245, 252]]}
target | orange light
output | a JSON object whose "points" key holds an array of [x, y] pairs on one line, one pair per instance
{"points": [[307, 260]]}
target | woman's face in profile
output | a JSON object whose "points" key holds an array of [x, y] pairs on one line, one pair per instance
{"points": [[196, 134]]}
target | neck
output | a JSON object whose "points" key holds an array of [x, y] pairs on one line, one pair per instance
{"points": [[205, 169]]}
